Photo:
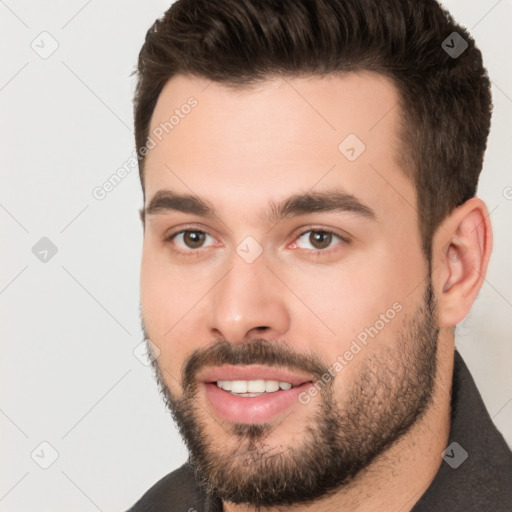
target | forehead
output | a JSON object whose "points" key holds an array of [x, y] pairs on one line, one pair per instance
{"points": [[277, 138]]}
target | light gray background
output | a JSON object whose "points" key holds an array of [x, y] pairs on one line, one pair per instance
{"points": [[69, 326]]}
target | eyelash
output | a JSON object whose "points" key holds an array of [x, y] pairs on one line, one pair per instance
{"points": [[314, 252]]}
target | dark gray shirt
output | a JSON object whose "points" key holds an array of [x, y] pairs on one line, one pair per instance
{"points": [[475, 475]]}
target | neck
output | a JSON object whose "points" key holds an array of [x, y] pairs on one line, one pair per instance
{"points": [[397, 478]]}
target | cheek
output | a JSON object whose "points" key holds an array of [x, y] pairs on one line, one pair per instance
{"points": [[361, 299], [162, 307], [153, 293], [165, 289], [173, 308]]}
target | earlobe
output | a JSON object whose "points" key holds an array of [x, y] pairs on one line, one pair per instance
{"points": [[464, 245]]}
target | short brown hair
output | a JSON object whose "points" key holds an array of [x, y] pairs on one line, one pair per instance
{"points": [[445, 99]]}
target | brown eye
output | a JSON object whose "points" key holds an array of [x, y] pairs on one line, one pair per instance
{"points": [[194, 239], [190, 239], [320, 239]]}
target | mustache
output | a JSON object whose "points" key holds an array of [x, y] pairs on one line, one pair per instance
{"points": [[255, 351]]}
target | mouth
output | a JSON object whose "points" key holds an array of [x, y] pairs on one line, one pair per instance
{"points": [[253, 393]]}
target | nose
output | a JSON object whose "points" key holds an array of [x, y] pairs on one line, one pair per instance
{"points": [[249, 301]]}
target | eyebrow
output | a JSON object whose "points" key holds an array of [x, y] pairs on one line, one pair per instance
{"points": [[167, 201], [314, 202], [300, 204]]}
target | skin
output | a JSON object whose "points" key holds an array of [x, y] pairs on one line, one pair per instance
{"points": [[240, 149]]}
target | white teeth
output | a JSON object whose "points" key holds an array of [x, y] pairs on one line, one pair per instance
{"points": [[239, 386], [271, 385], [256, 386], [224, 384], [247, 387]]}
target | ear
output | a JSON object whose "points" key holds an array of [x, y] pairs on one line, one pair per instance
{"points": [[462, 247]]}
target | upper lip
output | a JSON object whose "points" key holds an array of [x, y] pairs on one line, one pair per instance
{"points": [[252, 372]]}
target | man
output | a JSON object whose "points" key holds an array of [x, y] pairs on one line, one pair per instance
{"points": [[311, 239]]}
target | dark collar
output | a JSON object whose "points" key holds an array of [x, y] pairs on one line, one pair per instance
{"points": [[476, 472]]}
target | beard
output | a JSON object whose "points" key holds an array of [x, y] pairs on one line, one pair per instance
{"points": [[342, 437]]}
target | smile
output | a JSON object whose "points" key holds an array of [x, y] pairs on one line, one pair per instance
{"points": [[251, 393]]}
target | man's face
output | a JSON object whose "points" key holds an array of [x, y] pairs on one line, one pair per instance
{"points": [[307, 271]]}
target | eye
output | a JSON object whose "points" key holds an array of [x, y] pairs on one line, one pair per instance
{"points": [[188, 240], [318, 240]]}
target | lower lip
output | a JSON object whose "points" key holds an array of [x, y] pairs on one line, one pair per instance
{"points": [[254, 409]]}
